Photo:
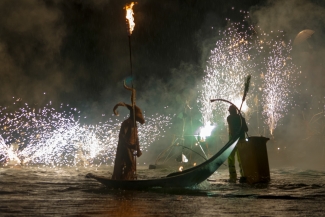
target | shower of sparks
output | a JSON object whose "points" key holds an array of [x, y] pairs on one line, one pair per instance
{"points": [[230, 62], [48, 137], [241, 51], [8, 153], [279, 81]]}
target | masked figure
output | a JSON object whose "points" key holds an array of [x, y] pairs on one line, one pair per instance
{"points": [[128, 144], [236, 124]]}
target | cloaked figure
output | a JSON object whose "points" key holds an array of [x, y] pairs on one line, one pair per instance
{"points": [[128, 145], [236, 124]]}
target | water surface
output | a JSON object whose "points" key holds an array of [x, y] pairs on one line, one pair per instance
{"points": [[44, 191]]}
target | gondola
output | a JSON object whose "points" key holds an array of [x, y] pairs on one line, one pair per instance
{"points": [[185, 178]]}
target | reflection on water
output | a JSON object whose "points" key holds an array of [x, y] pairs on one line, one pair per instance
{"points": [[32, 191]]}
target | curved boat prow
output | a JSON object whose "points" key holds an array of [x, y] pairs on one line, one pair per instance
{"points": [[214, 162]]}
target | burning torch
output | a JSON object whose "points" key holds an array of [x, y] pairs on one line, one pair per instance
{"points": [[130, 26]]}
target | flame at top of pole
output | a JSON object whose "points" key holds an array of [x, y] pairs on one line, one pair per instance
{"points": [[129, 17]]}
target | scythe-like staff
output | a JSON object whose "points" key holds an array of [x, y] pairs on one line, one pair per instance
{"points": [[247, 82]]}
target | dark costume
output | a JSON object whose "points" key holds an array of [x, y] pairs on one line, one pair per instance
{"points": [[128, 145], [236, 123]]}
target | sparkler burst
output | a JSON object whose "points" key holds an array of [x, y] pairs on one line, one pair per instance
{"points": [[241, 51], [279, 78], [227, 67], [48, 137]]}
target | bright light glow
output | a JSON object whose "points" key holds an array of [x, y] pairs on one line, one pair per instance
{"points": [[180, 168], [129, 16], [184, 158], [11, 153], [206, 130]]}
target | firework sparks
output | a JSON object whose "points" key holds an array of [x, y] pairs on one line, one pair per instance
{"points": [[266, 57], [53, 138], [229, 63], [279, 81]]}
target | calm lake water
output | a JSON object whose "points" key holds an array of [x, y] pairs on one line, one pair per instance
{"points": [[43, 191]]}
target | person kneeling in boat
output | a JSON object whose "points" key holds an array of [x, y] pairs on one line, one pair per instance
{"points": [[236, 123], [128, 144]]}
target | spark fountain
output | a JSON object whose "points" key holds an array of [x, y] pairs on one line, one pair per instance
{"points": [[241, 51], [279, 79], [226, 69], [53, 138]]}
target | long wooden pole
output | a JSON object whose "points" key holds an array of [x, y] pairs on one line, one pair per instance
{"points": [[133, 109], [131, 24]]}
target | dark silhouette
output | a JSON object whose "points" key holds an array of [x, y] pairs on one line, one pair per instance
{"points": [[236, 123], [128, 144], [128, 147]]}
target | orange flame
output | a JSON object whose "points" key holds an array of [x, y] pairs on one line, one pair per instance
{"points": [[129, 17]]}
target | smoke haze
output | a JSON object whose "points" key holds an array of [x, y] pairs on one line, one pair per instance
{"points": [[77, 52], [301, 131]]}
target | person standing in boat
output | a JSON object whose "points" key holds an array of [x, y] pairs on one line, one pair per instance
{"points": [[236, 123], [128, 144]]}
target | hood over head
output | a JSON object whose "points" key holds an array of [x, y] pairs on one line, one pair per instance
{"points": [[137, 111]]}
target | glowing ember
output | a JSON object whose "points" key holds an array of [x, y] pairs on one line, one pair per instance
{"points": [[129, 17]]}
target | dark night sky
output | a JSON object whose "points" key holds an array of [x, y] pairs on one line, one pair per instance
{"points": [[77, 51]]}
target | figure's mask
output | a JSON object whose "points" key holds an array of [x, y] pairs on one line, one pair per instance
{"points": [[134, 110], [137, 111]]}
